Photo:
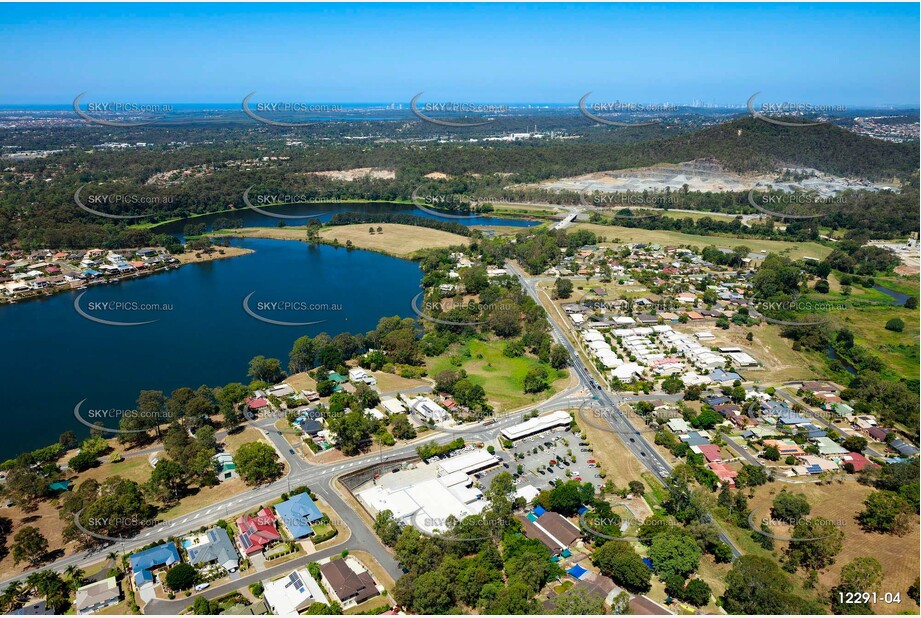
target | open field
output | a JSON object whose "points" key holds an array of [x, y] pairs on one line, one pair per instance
{"points": [[301, 382], [866, 312], [390, 382], [397, 240], [48, 522], [844, 501], [191, 257], [779, 361], [233, 441], [615, 234], [502, 377]]}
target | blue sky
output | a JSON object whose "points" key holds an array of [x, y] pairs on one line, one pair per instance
{"points": [[848, 54]]}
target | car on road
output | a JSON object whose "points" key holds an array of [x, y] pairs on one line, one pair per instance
{"points": [[642, 453], [201, 587], [633, 439]]}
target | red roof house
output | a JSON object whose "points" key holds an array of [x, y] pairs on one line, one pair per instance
{"points": [[257, 403], [724, 473], [858, 461], [711, 452], [256, 533]]}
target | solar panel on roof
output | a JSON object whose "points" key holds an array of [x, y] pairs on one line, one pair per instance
{"points": [[244, 539]]}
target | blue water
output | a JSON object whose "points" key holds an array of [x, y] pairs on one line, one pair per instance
{"points": [[54, 358], [326, 211], [898, 297]]}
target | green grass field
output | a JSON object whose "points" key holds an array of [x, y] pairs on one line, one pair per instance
{"points": [[865, 312], [501, 377]]}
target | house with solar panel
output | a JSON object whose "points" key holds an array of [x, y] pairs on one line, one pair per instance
{"points": [[293, 593], [256, 533], [145, 563], [297, 514], [212, 548]]}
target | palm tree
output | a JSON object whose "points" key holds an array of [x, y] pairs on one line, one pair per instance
{"points": [[74, 576], [10, 596], [34, 581]]}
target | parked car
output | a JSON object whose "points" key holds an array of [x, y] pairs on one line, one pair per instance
{"points": [[201, 587]]}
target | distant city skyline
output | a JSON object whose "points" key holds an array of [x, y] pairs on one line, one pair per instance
{"points": [[856, 55]]}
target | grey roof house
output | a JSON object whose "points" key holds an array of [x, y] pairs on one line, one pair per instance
{"points": [[217, 548]]}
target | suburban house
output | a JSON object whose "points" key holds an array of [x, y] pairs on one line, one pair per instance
{"points": [[349, 586], [297, 513], [144, 563], [96, 596], [213, 547], [293, 593], [257, 533], [36, 608], [723, 472]]}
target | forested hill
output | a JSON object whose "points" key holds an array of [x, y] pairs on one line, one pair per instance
{"points": [[752, 144]]}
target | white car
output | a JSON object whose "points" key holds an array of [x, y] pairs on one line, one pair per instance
{"points": [[201, 587]]}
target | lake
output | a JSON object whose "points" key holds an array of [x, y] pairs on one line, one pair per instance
{"points": [[251, 218], [54, 357]]}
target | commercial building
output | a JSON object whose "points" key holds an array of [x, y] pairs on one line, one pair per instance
{"points": [[470, 462], [552, 529], [538, 424]]}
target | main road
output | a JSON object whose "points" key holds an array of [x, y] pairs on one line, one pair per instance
{"points": [[632, 438], [321, 478]]}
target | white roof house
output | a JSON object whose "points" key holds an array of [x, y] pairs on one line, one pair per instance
{"points": [[742, 359], [294, 592], [393, 405], [627, 372], [428, 409]]}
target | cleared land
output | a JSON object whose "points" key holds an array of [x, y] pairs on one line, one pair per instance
{"points": [[621, 235], [191, 257], [397, 240]]}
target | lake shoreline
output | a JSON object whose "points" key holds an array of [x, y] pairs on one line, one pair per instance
{"points": [[182, 259]]}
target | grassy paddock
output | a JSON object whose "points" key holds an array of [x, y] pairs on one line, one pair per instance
{"points": [[500, 376]]}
